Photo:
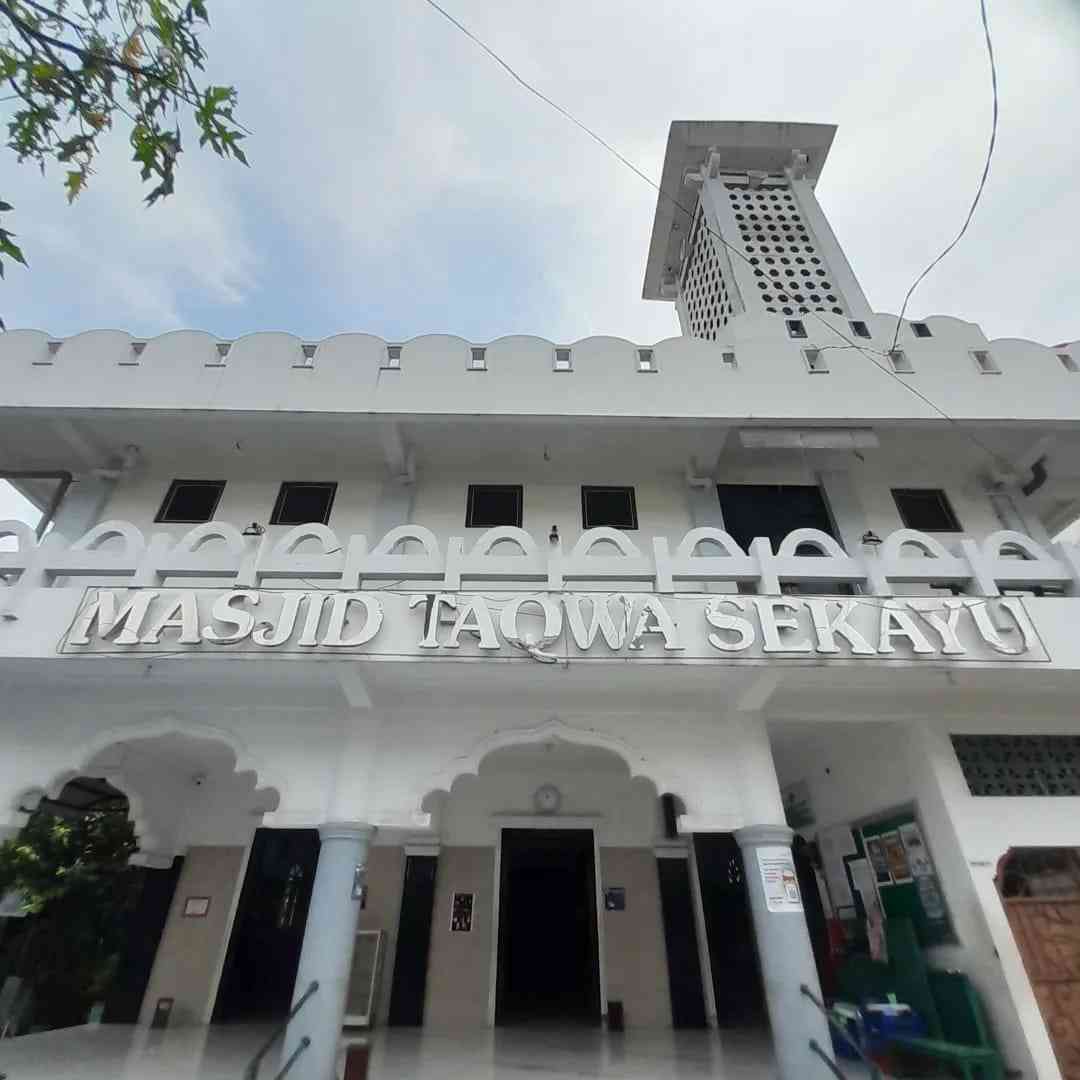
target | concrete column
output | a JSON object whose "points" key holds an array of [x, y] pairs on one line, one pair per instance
{"points": [[82, 506], [787, 962], [326, 956]]}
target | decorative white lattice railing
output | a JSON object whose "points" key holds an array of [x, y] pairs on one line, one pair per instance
{"points": [[118, 553]]}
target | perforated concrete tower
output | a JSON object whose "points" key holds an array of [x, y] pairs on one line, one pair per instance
{"points": [[747, 188]]}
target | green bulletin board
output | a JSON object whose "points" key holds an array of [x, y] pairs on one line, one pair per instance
{"points": [[907, 881]]}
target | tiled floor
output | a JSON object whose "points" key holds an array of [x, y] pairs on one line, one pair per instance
{"points": [[114, 1052]]}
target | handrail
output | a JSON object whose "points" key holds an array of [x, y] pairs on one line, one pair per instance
{"points": [[815, 1048], [305, 1042], [253, 1066], [875, 1072]]}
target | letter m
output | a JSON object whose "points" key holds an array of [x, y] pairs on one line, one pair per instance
{"points": [[123, 624]]}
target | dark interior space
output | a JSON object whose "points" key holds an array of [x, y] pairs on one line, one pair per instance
{"points": [[409, 984], [264, 951], [729, 929], [548, 955]]}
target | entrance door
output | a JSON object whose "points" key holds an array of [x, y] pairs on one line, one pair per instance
{"points": [[1040, 888], [268, 932], [548, 966]]}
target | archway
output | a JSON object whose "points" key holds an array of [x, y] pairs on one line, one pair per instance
{"points": [[164, 801]]}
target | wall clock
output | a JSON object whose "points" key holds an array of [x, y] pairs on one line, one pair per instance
{"points": [[547, 799]]}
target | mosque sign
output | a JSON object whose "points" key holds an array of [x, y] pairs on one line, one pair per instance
{"points": [[552, 627]]}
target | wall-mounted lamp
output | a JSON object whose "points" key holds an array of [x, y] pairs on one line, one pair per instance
{"points": [[553, 536], [254, 529], [871, 539]]}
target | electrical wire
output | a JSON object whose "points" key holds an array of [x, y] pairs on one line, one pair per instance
{"points": [[691, 214], [982, 180]]}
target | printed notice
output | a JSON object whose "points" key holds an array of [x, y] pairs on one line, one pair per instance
{"points": [[778, 878]]}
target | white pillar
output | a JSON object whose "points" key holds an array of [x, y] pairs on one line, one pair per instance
{"points": [[326, 956], [787, 961]]}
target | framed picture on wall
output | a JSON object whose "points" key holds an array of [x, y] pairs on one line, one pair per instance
{"points": [[461, 912]]}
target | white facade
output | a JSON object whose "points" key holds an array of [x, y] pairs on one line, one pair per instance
{"points": [[437, 731]]}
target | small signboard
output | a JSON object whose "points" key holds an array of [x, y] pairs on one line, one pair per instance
{"points": [[461, 912], [196, 907], [615, 898], [779, 879]]}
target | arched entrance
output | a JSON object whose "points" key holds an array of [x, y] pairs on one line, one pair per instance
{"points": [[169, 806], [1040, 889]]}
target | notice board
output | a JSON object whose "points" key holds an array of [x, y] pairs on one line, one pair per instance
{"points": [[906, 878]]}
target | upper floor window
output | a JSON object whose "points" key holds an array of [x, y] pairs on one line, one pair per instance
{"points": [[773, 510], [925, 509], [613, 507], [303, 504], [490, 505], [190, 502]]}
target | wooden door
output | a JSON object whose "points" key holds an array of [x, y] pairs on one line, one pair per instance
{"points": [[1047, 932]]}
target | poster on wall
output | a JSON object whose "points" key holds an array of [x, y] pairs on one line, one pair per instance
{"points": [[461, 912], [778, 879], [895, 856], [875, 851], [917, 856]]}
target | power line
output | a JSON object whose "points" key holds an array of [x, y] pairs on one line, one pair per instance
{"points": [[982, 180], [691, 214]]}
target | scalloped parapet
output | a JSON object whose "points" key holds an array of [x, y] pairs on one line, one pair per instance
{"points": [[756, 369]]}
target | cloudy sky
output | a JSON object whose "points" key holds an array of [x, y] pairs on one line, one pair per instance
{"points": [[401, 183]]}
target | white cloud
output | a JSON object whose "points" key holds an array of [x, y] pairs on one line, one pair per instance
{"points": [[399, 177]]}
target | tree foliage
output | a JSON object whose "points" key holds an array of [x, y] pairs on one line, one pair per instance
{"points": [[75, 68], [78, 890]]}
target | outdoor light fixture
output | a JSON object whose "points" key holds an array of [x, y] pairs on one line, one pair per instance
{"points": [[254, 529], [871, 539], [553, 536]]}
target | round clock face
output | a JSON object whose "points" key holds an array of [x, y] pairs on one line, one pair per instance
{"points": [[547, 799]]}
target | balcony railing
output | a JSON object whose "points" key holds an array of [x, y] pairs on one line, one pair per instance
{"points": [[119, 553]]}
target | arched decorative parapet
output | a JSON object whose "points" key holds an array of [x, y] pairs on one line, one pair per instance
{"points": [[86, 557], [284, 560], [26, 543], [629, 564], [213, 549], [384, 561], [481, 563], [832, 564], [930, 562], [688, 565], [994, 567]]}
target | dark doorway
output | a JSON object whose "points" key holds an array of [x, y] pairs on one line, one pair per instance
{"points": [[548, 966], [145, 925], [681, 941], [264, 951], [413, 942], [729, 929]]}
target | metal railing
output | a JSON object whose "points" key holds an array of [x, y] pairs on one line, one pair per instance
{"points": [[842, 1031], [253, 1066]]}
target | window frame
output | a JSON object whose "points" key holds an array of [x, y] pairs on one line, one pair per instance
{"points": [[170, 494], [286, 485], [899, 493], [518, 489], [591, 489]]}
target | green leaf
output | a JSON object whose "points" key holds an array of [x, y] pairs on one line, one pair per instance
{"points": [[75, 182]]}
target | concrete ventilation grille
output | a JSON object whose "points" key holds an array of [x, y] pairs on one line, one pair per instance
{"points": [[790, 274], [1018, 765], [705, 292]]}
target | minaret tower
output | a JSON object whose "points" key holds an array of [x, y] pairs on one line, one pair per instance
{"points": [[751, 184]]}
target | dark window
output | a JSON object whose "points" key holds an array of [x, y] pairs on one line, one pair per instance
{"points": [[303, 504], [860, 329], [921, 329], [925, 509], [796, 328], [493, 504], [190, 502], [772, 510], [613, 507]]}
